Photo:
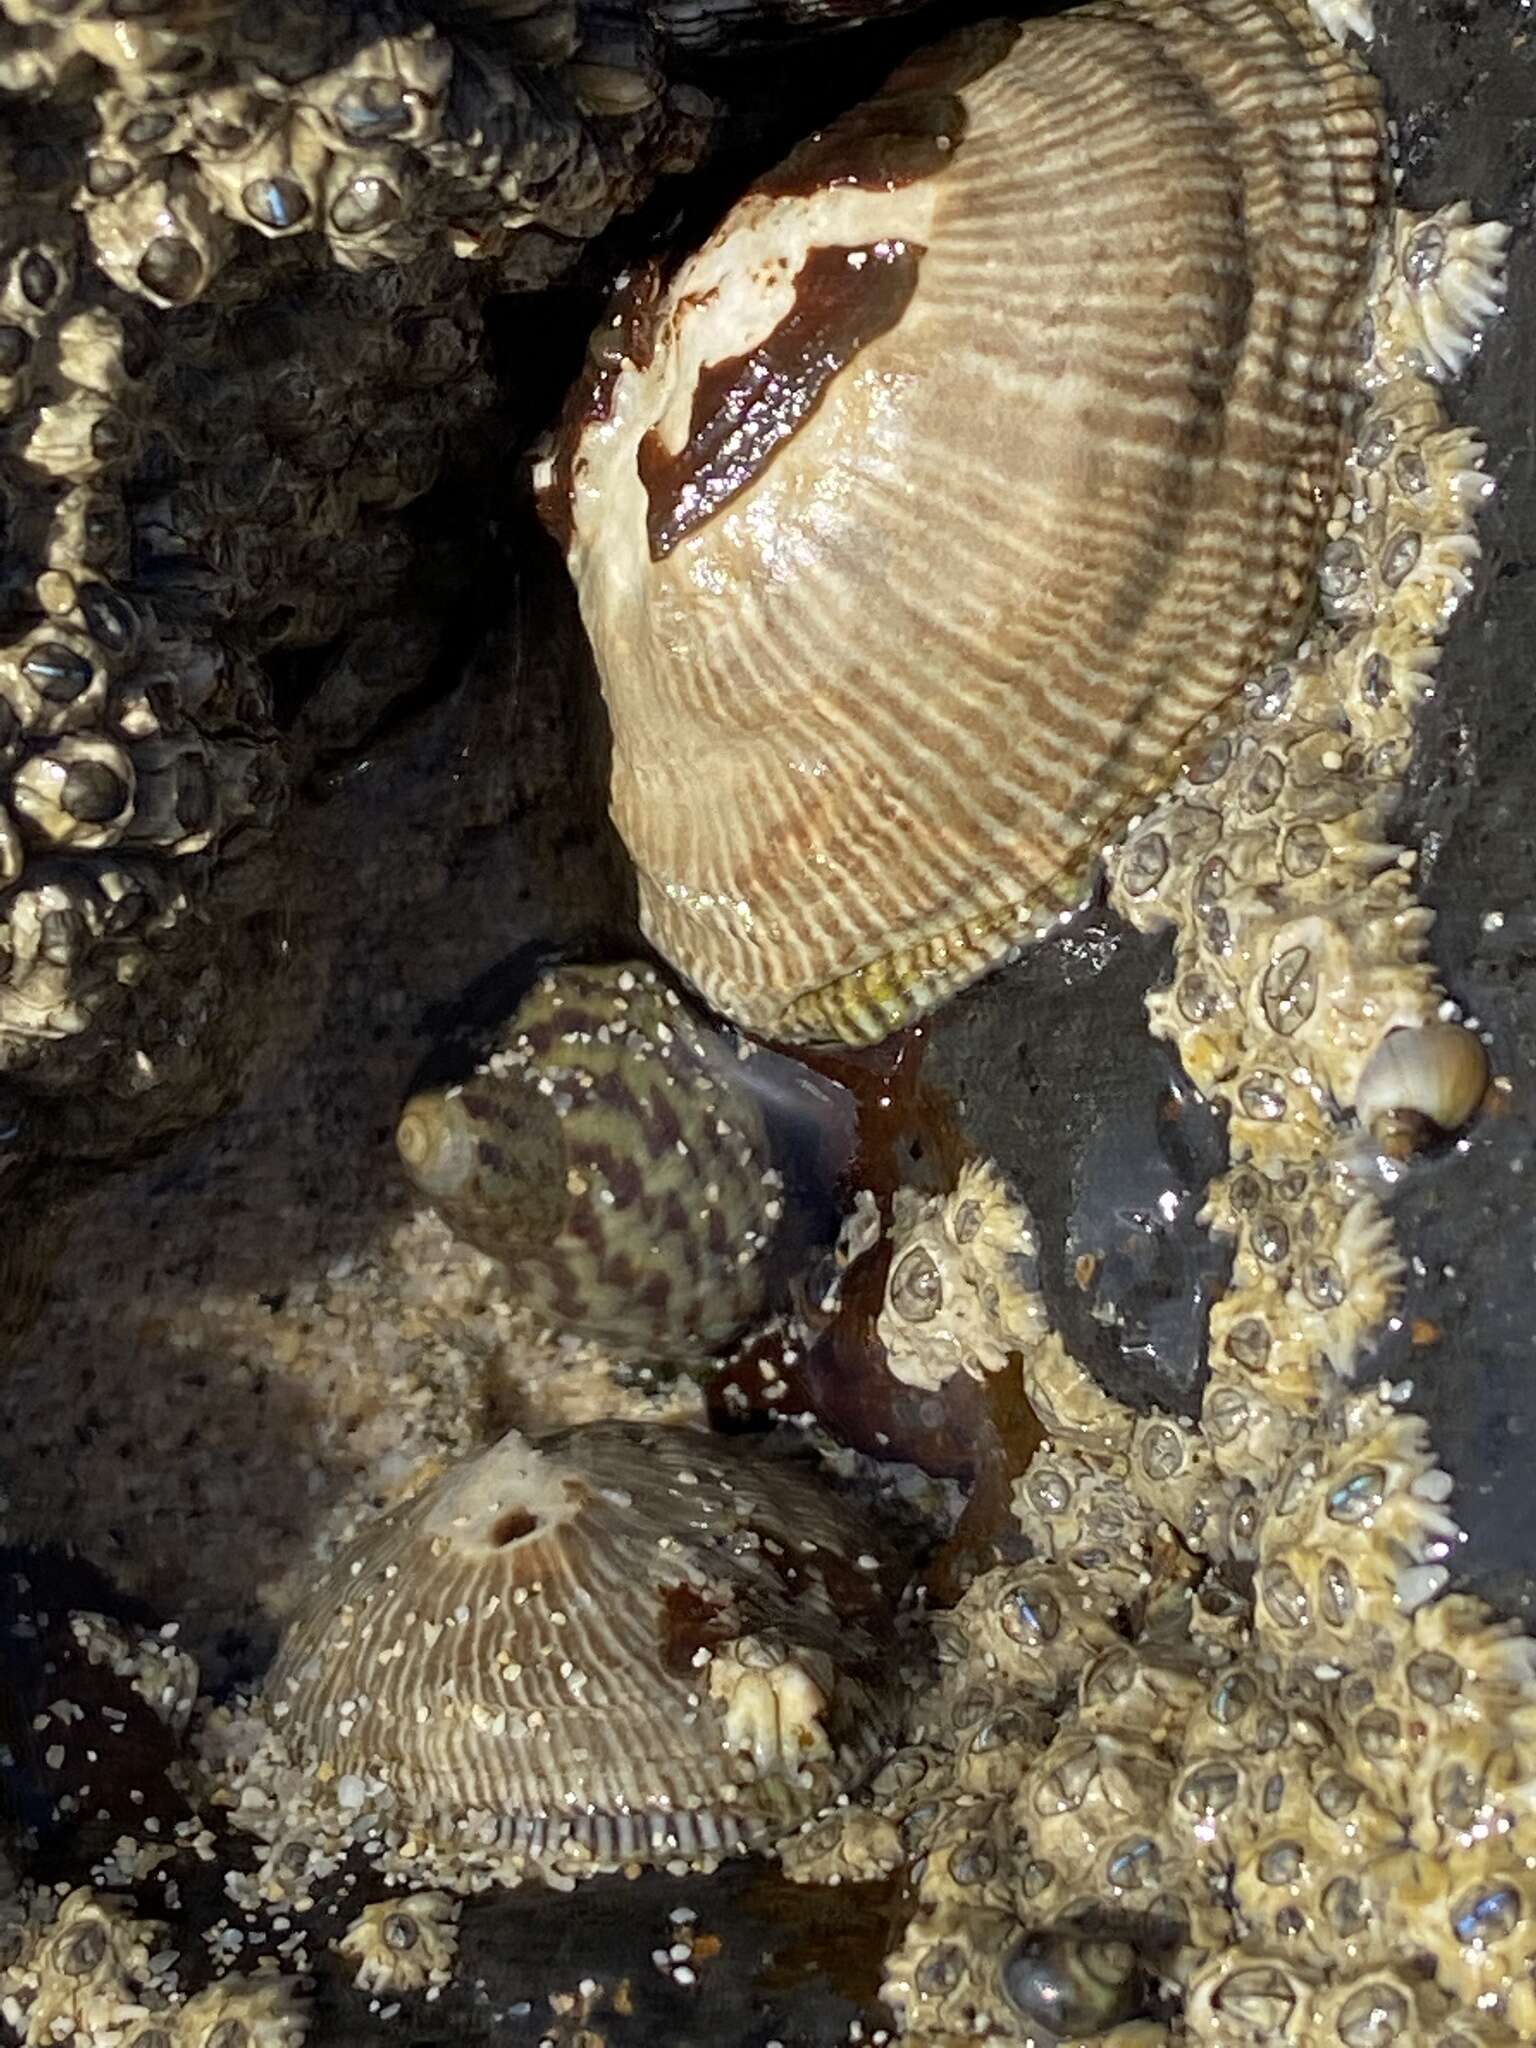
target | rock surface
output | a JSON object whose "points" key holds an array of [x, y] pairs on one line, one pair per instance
{"points": [[203, 1288]]}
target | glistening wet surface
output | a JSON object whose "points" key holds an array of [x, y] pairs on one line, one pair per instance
{"points": [[191, 1408]]}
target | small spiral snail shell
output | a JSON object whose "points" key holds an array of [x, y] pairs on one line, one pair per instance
{"points": [[649, 1180], [1430, 1075], [981, 453], [622, 1644]]}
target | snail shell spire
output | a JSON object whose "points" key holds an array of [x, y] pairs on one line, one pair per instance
{"points": [[982, 452]]}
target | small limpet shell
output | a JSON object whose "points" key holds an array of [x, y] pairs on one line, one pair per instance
{"points": [[648, 1179], [624, 1645], [982, 453]]}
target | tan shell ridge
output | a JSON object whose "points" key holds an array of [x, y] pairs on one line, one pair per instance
{"points": [[541, 1653], [955, 611]]}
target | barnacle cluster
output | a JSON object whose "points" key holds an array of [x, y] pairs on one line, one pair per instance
{"points": [[90, 1970], [192, 491], [1301, 989], [954, 1257], [514, 143], [1141, 1794]]}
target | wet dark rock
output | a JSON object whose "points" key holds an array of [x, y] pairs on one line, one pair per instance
{"points": [[1050, 1070], [1462, 82], [745, 1958]]}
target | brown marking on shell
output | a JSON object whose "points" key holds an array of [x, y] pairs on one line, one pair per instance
{"points": [[746, 407], [908, 130], [626, 335], [627, 1644], [852, 768]]}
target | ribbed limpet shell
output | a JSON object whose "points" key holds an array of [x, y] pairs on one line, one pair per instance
{"points": [[622, 1645], [981, 453]]}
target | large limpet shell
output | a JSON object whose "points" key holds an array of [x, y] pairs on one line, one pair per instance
{"points": [[623, 1645], [981, 453]]}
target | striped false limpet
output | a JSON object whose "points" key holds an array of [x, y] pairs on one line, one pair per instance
{"points": [[622, 1645], [978, 457]]}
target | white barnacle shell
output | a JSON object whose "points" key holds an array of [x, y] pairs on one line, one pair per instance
{"points": [[962, 1292], [77, 793], [262, 2010], [979, 456], [87, 1973], [1444, 283], [626, 1645], [403, 1944], [160, 236]]}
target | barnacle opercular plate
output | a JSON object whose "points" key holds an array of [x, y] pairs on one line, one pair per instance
{"points": [[982, 452], [621, 1646]]}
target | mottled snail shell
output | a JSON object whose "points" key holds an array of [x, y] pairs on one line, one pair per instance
{"points": [[624, 1644], [981, 453], [649, 1180]]}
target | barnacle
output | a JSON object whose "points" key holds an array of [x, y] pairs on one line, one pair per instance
{"points": [[1443, 284], [1037, 1624], [404, 1944], [962, 1285], [1071, 1986], [1081, 1514], [646, 1177], [86, 1971], [263, 2010]]}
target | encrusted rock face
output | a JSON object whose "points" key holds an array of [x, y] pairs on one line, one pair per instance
{"points": [[515, 139], [91, 1970], [190, 491], [188, 499], [1304, 1804]]}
